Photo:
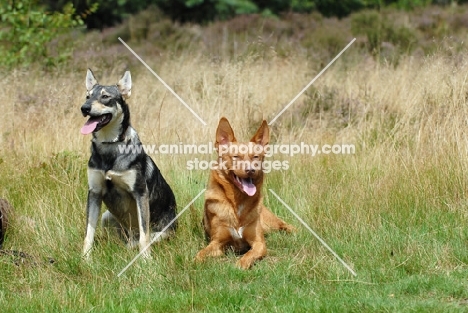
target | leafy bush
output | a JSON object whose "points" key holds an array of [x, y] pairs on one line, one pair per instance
{"points": [[103, 13], [27, 30]]}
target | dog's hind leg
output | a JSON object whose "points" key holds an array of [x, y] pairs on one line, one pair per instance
{"points": [[143, 222], [272, 222], [110, 222], [159, 236]]}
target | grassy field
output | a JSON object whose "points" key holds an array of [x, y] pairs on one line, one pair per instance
{"points": [[395, 210]]}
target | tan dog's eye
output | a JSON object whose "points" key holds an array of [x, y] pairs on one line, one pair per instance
{"points": [[235, 156], [256, 157]]}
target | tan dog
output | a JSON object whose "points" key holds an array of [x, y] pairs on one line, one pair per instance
{"points": [[234, 211]]}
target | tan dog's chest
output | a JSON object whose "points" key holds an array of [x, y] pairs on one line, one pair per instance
{"points": [[233, 219]]}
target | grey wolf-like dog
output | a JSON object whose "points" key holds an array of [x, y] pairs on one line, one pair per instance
{"points": [[139, 201]]}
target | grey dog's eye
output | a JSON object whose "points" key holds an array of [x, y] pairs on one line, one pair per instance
{"points": [[105, 96]]}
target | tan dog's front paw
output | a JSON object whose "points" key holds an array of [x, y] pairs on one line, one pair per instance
{"points": [[209, 251], [244, 263], [200, 257]]}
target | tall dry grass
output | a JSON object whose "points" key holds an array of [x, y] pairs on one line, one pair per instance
{"points": [[418, 106]]}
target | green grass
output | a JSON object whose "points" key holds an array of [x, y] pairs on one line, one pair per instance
{"points": [[407, 242]]}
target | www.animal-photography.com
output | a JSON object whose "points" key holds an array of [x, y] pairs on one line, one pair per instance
{"points": [[220, 156]]}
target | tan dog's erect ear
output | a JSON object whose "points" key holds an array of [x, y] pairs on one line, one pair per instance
{"points": [[224, 133], [90, 80], [125, 85], [262, 136]]}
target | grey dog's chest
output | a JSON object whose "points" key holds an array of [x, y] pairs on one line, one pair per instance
{"points": [[116, 188], [112, 174], [110, 167], [100, 180]]}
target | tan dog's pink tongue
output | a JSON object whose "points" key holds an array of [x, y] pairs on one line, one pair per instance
{"points": [[90, 125], [248, 186]]}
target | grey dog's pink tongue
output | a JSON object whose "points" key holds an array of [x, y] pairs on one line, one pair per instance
{"points": [[90, 125], [248, 186]]}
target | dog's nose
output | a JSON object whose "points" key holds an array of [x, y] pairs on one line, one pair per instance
{"points": [[250, 171], [85, 109]]}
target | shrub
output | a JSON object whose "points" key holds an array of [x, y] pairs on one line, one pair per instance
{"points": [[27, 29]]}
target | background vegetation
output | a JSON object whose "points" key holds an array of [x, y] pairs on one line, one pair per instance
{"points": [[33, 30], [396, 211]]}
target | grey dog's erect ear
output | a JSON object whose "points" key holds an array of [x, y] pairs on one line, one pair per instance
{"points": [[125, 85], [90, 80]]}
